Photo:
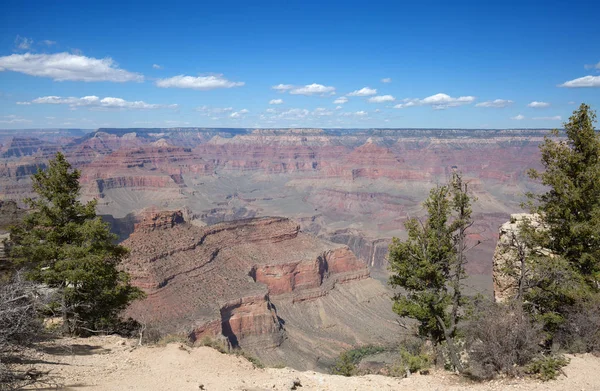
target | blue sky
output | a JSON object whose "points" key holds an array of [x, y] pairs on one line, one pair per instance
{"points": [[449, 64]]}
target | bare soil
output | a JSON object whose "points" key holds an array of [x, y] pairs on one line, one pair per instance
{"points": [[114, 363]]}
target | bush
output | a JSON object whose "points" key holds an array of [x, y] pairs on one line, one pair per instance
{"points": [[217, 344], [580, 331], [413, 357], [414, 362], [347, 362], [547, 367], [253, 360], [501, 339], [344, 365], [174, 338], [20, 326]]}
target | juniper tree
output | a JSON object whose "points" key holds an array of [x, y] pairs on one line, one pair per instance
{"points": [[64, 244], [565, 268], [430, 265], [570, 208]]}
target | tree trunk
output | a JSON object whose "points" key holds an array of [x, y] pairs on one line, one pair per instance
{"points": [[65, 314], [453, 352]]}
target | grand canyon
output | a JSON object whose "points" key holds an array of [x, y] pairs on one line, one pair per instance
{"points": [[276, 239]]}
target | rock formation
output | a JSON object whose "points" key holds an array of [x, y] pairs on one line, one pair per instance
{"points": [[237, 279], [507, 253]]}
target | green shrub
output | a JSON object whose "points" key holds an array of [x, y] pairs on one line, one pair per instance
{"points": [[174, 338], [344, 365], [216, 344], [414, 362], [547, 367], [253, 360]]}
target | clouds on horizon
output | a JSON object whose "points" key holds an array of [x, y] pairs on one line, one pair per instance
{"points": [[437, 102], [497, 103], [94, 102]]}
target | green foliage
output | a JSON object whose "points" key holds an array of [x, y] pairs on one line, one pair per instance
{"points": [[547, 367], [346, 364], [174, 338], [569, 271], [430, 265], [571, 206], [253, 360], [216, 344], [414, 361], [65, 245]]}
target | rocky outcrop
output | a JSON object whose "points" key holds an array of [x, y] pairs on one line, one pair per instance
{"points": [[506, 270], [372, 250], [152, 220], [338, 265], [221, 280], [24, 146]]}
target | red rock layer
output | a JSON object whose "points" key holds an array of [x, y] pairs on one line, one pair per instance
{"points": [[219, 279]]}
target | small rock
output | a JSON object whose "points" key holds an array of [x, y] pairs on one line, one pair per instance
{"points": [[295, 384]]}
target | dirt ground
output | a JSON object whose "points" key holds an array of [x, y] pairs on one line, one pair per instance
{"points": [[114, 363]]}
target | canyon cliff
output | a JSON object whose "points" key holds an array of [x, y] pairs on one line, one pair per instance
{"points": [[249, 281]]}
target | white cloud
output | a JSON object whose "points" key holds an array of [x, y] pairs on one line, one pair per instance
{"points": [[214, 112], [341, 100], [312, 89], [360, 113], [321, 112], [554, 118], [518, 117], [48, 42], [13, 119], [365, 91], [66, 66], [338, 107], [282, 87], [276, 101], [408, 102], [386, 80], [382, 99], [538, 105], [497, 103], [586, 81], [105, 103], [238, 114], [437, 101], [156, 66], [271, 111], [592, 66], [24, 103], [198, 83], [293, 114], [23, 43]]}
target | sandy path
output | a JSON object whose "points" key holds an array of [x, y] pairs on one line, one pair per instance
{"points": [[113, 363]]}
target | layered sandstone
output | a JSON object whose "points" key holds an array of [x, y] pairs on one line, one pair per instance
{"points": [[221, 280]]}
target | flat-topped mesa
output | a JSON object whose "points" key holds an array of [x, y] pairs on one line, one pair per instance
{"points": [[219, 280], [151, 220]]}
